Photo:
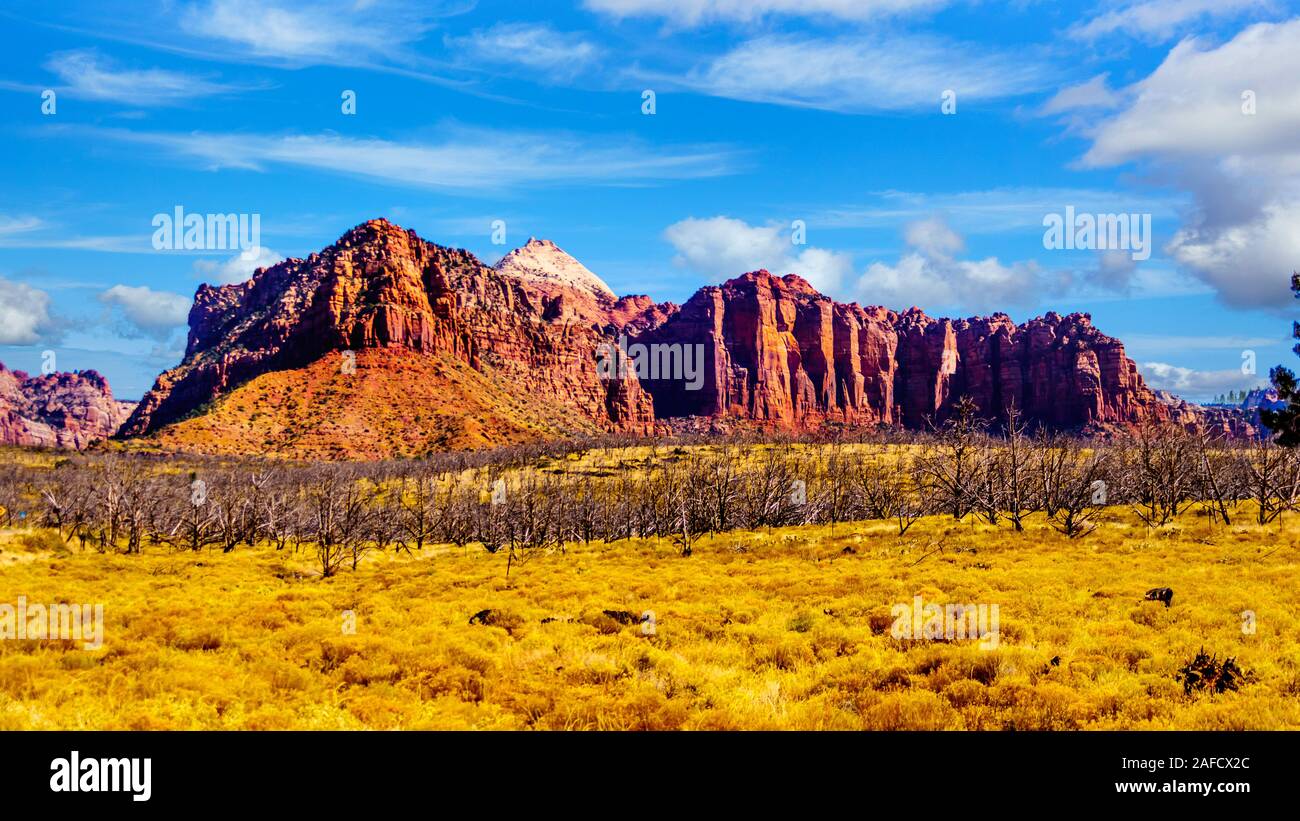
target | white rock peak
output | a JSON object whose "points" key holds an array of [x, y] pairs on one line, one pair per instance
{"points": [[543, 262]]}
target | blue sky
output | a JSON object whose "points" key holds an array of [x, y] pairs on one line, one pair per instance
{"points": [[766, 112]]}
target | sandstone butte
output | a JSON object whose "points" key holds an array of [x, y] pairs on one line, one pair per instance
{"points": [[386, 344]]}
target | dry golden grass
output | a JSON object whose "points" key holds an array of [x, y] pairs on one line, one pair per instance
{"points": [[756, 630]]}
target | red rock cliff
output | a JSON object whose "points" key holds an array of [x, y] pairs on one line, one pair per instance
{"points": [[776, 351]]}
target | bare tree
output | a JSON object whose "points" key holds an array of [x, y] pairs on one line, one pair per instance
{"points": [[193, 524], [1081, 492], [338, 514], [1218, 475], [1164, 469], [1014, 470], [1271, 478], [954, 465], [414, 509]]}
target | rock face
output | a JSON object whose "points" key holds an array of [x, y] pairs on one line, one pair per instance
{"points": [[382, 286], [758, 349], [61, 410], [542, 263], [777, 351]]}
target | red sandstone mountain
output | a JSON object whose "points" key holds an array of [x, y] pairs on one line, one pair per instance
{"points": [[453, 353], [778, 351], [504, 348], [61, 410]]}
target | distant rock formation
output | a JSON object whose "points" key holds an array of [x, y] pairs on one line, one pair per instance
{"points": [[1261, 399], [1240, 421], [61, 410]]}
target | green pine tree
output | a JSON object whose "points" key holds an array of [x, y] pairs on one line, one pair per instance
{"points": [[1285, 422]]}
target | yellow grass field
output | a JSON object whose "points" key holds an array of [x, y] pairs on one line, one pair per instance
{"points": [[757, 630]]}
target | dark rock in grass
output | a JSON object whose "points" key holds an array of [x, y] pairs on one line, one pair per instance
{"points": [[485, 617], [623, 616], [1161, 594]]}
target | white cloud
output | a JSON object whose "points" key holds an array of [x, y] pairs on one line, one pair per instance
{"points": [[1115, 269], [933, 238], [940, 281], [1248, 264], [235, 269], [331, 32], [1093, 94], [1191, 105], [539, 48], [18, 225], [932, 276], [1161, 20], [1188, 121], [153, 313], [1194, 384], [24, 314], [90, 75], [858, 73], [696, 12], [722, 248], [474, 159]]}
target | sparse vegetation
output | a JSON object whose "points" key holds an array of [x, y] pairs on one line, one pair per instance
{"points": [[483, 586]]}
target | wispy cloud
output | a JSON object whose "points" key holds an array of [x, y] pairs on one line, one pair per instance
{"points": [[388, 36], [88, 74], [696, 12], [992, 211], [1093, 94], [537, 47], [330, 32], [1161, 20], [36, 233], [465, 159], [10, 226], [865, 73]]}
